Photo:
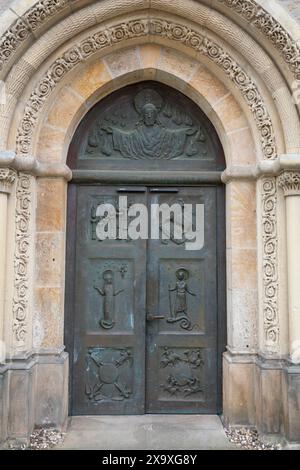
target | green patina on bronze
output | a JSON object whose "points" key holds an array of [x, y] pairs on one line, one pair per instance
{"points": [[145, 318]]}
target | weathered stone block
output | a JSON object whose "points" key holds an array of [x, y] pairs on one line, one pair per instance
{"points": [[21, 402], [51, 396], [49, 258], [241, 220], [51, 196], [230, 113], [64, 108], [89, 80], [238, 390], [291, 402], [48, 319], [51, 144], [269, 410], [3, 404]]}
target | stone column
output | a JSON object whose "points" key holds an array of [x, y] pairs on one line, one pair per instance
{"points": [[7, 178], [289, 181]]}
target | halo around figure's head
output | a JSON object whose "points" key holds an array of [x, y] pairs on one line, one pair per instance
{"points": [[108, 274], [147, 96], [184, 271]]}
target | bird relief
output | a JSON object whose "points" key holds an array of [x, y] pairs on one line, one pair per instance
{"points": [[151, 137]]}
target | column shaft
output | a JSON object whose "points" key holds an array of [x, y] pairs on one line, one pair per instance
{"points": [[289, 181], [7, 178], [293, 252]]}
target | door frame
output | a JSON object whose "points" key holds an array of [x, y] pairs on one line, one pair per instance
{"points": [[84, 177]]}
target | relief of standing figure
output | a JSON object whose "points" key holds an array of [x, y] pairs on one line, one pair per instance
{"points": [[178, 312], [108, 293]]}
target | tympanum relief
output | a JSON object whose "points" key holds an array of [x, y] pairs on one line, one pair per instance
{"points": [[148, 127]]}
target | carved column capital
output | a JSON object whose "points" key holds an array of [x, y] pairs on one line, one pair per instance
{"points": [[7, 178], [289, 181]]}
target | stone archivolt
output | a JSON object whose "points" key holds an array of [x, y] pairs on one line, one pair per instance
{"points": [[42, 11], [142, 27], [250, 92], [36, 16], [191, 38], [271, 29], [249, 10]]}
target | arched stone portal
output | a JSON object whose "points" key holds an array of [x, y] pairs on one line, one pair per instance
{"points": [[208, 52]]}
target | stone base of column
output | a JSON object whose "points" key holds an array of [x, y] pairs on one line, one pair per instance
{"points": [[33, 393], [291, 402], [238, 390], [264, 394]]}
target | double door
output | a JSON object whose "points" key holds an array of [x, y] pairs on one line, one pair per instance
{"points": [[146, 337]]}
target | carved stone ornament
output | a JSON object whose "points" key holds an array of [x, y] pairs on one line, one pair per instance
{"points": [[21, 260], [289, 181], [7, 179], [289, 50], [24, 26], [273, 31], [270, 264], [131, 29], [253, 13]]}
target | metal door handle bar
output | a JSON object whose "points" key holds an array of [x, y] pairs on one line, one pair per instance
{"points": [[151, 317], [131, 190], [164, 190]]}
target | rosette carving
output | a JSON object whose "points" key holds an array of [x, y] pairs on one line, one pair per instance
{"points": [[253, 13], [270, 264], [271, 29], [25, 26], [21, 260], [142, 27]]}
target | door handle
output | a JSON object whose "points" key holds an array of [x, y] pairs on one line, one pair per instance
{"points": [[151, 317], [164, 190], [131, 190]]}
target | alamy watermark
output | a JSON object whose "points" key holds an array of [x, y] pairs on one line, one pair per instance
{"points": [[179, 222]]}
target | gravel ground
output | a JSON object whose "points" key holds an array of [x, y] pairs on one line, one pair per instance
{"points": [[248, 439], [45, 438]]}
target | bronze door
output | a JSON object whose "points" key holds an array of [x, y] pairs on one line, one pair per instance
{"points": [[109, 299], [181, 367], [143, 314]]}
